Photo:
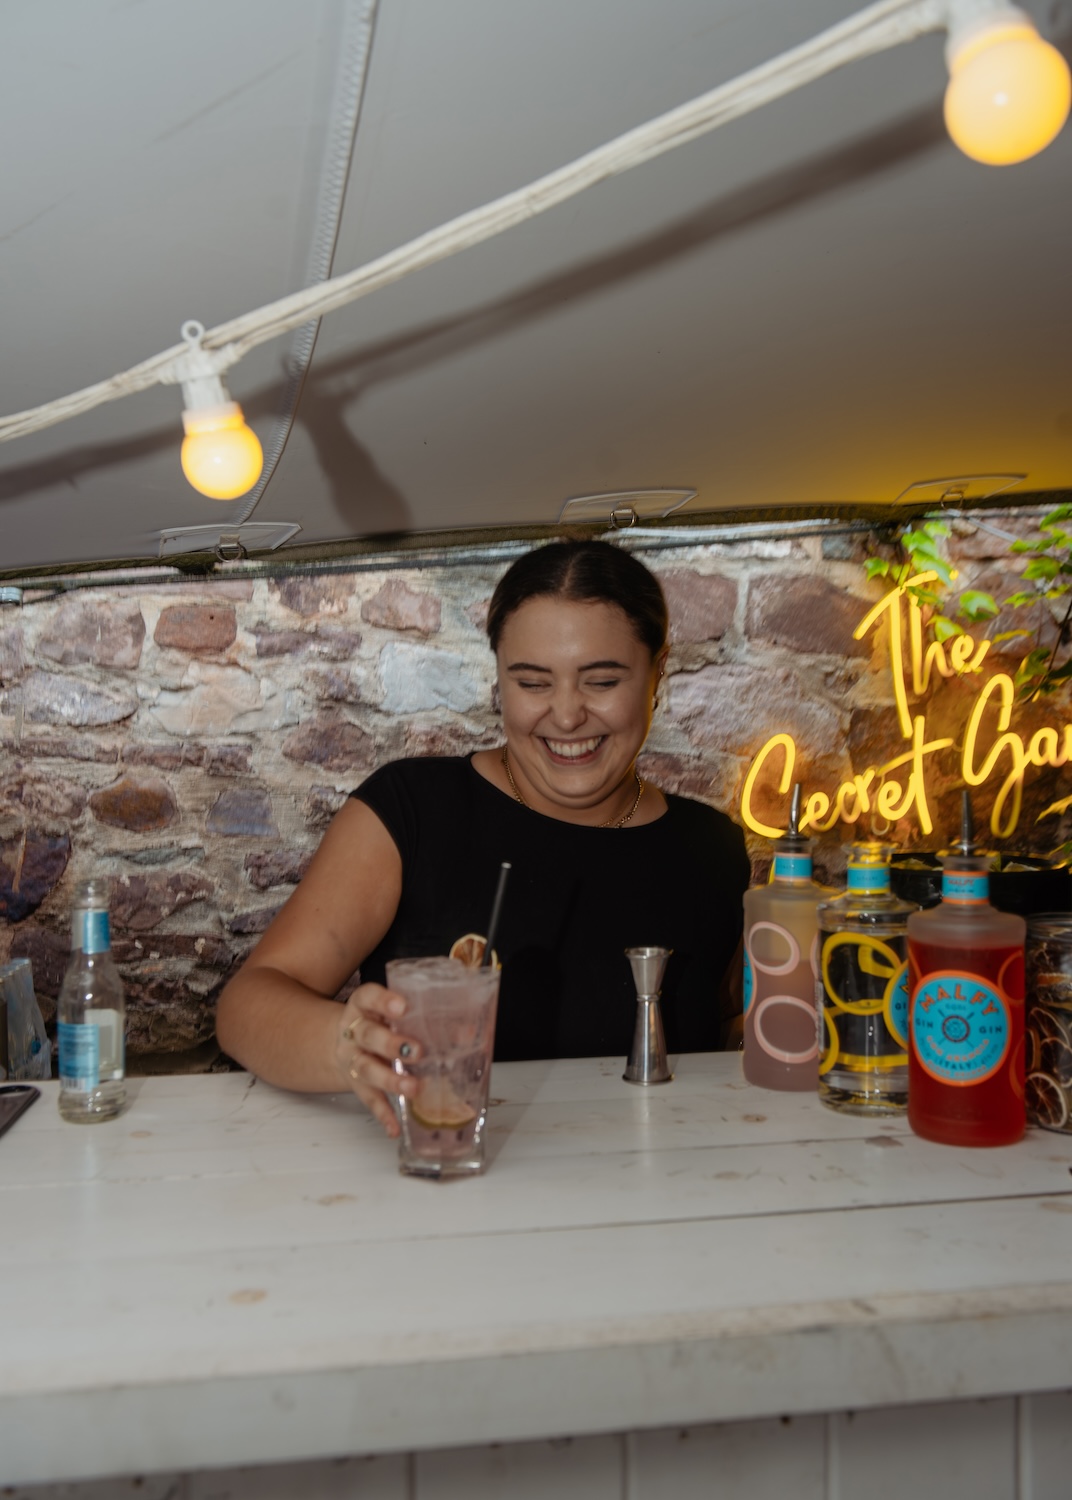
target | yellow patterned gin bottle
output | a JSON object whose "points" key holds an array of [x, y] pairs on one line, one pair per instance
{"points": [[863, 990], [781, 967]]}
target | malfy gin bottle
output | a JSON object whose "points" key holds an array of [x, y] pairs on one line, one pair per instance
{"points": [[863, 990], [966, 1013], [781, 967], [91, 1015]]}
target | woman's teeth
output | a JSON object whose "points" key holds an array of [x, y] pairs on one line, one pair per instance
{"points": [[574, 749]]}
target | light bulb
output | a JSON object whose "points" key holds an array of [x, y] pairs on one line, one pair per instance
{"points": [[1009, 91], [221, 456]]}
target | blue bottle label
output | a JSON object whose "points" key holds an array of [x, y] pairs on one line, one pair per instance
{"points": [[792, 867], [895, 1006], [93, 934], [749, 982], [869, 878], [960, 1027], [79, 1056], [965, 886]]}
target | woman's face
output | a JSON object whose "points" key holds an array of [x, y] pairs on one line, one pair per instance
{"points": [[576, 687]]}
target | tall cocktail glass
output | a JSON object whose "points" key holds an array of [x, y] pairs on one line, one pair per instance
{"points": [[450, 1014]]}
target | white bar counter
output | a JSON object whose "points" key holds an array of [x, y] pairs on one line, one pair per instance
{"points": [[232, 1275]]}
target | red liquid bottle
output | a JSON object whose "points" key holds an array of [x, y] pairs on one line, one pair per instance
{"points": [[966, 1012]]}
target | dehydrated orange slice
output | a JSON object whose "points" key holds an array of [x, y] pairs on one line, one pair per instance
{"points": [[1046, 1102], [470, 950], [438, 1107]]}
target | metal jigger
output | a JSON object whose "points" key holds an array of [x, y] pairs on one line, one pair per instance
{"points": [[647, 1061]]}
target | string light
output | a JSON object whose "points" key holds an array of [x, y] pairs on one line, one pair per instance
{"points": [[1009, 91], [221, 455]]}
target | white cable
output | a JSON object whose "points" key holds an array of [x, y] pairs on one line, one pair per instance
{"points": [[885, 24]]}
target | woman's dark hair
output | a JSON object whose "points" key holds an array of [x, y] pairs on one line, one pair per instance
{"points": [[584, 573]]}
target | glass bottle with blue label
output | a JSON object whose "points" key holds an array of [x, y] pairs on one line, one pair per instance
{"points": [[781, 966], [863, 990], [966, 1010], [91, 1016]]}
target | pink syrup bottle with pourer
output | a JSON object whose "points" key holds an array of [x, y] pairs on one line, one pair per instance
{"points": [[966, 1009], [781, 967]]}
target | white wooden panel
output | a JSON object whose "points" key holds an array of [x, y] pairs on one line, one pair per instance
{"points": [[959, 1451], [769, 1460], [1047, 1431], [384, 1478], [565, 1469]]}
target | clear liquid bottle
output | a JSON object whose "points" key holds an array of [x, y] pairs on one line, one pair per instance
{"points": [[781, 967], [863, 959], [91, 1016], [966, 982]]}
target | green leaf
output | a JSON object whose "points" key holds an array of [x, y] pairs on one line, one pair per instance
{"points": [[978, 605], [1055, 810], [1023, 598], [1061, 513], [877, 567], [944, 628], [1061, 673], [1041, 567], [1008, 635]]}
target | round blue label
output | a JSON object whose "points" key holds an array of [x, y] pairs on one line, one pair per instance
{"points": [[961, 885], [960, 1027], [749, 982], [869, 877], [895, 1006], [792, 866]]}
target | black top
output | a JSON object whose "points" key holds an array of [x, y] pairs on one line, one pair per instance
{"points": [[577, 897]]}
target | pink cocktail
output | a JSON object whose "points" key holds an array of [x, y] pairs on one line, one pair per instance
{"points": [[451, 1015]]}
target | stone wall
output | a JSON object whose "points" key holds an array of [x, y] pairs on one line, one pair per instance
{"points": [[192, 740]]}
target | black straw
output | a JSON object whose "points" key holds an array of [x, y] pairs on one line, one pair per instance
{"points": [[493, 920]]}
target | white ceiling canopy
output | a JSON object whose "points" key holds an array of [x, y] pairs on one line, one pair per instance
{"points": [[823, 304]]}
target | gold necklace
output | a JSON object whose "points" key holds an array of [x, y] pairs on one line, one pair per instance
{"points": [[612, 823]]}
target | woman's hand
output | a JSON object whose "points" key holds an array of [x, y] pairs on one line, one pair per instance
{"points": [[366, 1050]]}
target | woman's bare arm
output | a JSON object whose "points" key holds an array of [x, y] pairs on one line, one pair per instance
{"points": [[277, 1016]]}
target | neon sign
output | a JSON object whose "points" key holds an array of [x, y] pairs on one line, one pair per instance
{"points": [[899, 787]]}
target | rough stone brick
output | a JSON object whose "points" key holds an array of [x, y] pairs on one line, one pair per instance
{"points": [[701, 605], [219, 700], [478, 613], [139, 804], [31, 864], [737, 707], [103, 632], [398, 607], [254, 921], [269, 867], [327, 594], [12, 653], [53, 698], [196, 627], [321, 805], [805, 613], [228, 760], [416, 678], [332, 642], [79, 747], [334, 744], [205, 951], [163, 755], [451, 738], [241, 812], [48, 799], [139, 901], [688, 776]]}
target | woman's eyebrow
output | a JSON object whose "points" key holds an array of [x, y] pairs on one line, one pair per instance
{"points": [[591, 666], [526, 666]]}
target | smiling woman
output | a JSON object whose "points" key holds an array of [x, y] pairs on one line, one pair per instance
{"points": [[602, 861]]}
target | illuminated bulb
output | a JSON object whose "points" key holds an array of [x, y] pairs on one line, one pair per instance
{"points": [[221, 456], [1009, 91]]}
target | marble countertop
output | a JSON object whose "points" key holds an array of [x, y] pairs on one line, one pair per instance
{"points": [[230, 1274]]}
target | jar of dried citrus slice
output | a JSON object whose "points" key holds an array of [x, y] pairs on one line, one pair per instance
{"points": [[1048, 1062]]}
